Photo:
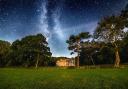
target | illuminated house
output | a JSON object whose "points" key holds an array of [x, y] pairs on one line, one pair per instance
{"points": [[65, 62]]}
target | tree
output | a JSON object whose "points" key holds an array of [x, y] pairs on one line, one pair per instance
{"points": [[124, 49], [31, 50], [74, 43], [16, 54], [4, 52], [124, 16], [88, 49], [105, 54], [110, 30]]}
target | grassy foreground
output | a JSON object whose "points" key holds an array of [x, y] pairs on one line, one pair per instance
{"points": [[56, 78]]}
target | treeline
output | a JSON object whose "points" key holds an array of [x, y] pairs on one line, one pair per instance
{"points": [[107, 45], [31, 50], [104, 54]]}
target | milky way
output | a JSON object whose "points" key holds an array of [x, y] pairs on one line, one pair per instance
{"points": [[55, 19]]}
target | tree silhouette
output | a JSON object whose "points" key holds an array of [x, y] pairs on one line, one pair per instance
{"points": [[74, 43], [32, 50], [110, 30]]}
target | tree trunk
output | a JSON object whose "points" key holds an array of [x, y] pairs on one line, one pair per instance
{"points": [[77, 61], [92, 60], [117, 59], [37, 61], [78, 49]]}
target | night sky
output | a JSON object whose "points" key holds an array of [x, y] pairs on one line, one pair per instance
{"points": [[56, 19]]}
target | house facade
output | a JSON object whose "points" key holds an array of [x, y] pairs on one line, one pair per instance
{"points": [[65, 62]]}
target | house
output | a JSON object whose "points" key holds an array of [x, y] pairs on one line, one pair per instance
{"points": [[65, 62]]}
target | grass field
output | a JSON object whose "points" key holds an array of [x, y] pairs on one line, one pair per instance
{"points": [[56, 78]]}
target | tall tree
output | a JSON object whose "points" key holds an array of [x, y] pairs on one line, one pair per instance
{"points": [[32, 50], [111, 30], [74, 43], [4, 51]]}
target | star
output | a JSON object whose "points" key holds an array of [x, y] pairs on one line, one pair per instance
{"points": [[56, 19]]}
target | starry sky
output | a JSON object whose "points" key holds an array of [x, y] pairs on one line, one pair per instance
{"points": [[55, 19]]}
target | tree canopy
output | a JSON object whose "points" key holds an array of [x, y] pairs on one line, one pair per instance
{"points": [[74, 43], [31, 50]]}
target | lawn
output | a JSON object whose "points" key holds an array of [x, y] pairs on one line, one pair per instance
{"points": [[58, 78]]}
